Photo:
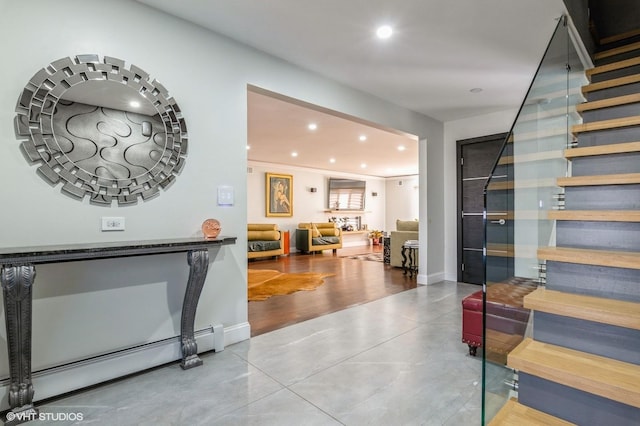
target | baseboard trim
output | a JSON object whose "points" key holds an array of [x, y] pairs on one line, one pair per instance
{"points": [[88, 372], [237, 333], [430, 279], [451, 276]]}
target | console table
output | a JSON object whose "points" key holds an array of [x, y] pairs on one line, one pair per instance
{"points": [[17, 274]]}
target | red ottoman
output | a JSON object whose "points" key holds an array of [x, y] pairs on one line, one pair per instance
{"points": [[506, 318]]}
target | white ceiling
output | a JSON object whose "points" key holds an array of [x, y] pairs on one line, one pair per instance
{"points": [[440, 50], [272, 139]]}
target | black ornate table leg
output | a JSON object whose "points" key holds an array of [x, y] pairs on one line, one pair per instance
{"points": [[198, 263], [386, 250], [404, 260], [411, 254], [17, 283]]}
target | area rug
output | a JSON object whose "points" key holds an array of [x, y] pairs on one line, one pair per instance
{"points": [[375, 257], [264, 283]]}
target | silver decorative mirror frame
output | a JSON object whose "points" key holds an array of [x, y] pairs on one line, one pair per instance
{"points": [[110, 165]]}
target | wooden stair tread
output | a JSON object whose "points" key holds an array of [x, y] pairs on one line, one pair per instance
{"points": [[500, 250], [521, 251], [614, 82], [613, 123], [521, 184], [515, 414], [523, 137], [615, 148], [518, 214], [608, 378], [613, 66], [617, 51], [502, 343], [618, 37], [613, 179], [526, 158], [609, 102], [616, 259], [595, 215], [597, 309]]}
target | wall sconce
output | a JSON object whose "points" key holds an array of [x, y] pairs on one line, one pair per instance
{"points": [[313, 189]]}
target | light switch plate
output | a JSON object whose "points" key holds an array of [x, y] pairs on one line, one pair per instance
{"points": [[112, 223], [225, 195]]}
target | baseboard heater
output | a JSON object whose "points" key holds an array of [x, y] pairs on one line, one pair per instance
{"points": [[80, 374]]}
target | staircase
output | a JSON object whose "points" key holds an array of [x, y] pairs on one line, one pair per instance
{"points": [[582, 365]]}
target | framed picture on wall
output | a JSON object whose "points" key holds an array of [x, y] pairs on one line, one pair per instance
{"points": [[279, 195]]}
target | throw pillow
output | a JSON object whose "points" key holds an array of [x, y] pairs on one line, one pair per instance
{"points": [[314, 231]]}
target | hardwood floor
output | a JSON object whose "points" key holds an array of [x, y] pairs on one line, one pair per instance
{"points": [[355, 282]]}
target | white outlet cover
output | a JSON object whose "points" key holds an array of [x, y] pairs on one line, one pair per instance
{"points": [[112, 223]]}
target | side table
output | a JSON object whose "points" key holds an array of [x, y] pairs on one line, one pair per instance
{"points": [[386, 250], [410, 257], [287, 242]]}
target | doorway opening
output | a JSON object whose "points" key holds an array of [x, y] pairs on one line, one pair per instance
{"points": [[337, 146]]}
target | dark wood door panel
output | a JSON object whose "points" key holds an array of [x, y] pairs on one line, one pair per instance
{"points": [[499, 201], [499, 267], [474, 235], [473, 268], [477, 158], [480, 158], [499, 232], [471, 202]]}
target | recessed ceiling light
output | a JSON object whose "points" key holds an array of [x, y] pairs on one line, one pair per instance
{"points": [[384, 32], [312, 126], [401, 148], [363, 165], [134, 104], [362, 138], [332, 160], [294, 154], [248, 147], [476, 90]]}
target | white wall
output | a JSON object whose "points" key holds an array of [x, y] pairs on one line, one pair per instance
{"points": [[311, 206], [86, 308], [402, 196], [483, 125]]}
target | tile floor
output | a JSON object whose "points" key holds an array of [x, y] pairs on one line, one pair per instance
{"points": [[394, 361]]}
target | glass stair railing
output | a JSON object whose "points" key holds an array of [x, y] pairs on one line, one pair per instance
{"points": [[518, 196]]}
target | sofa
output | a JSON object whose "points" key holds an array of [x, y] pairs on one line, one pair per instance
{"points": [[506, 317], [318, 236], [405, 230], [264, 240]]}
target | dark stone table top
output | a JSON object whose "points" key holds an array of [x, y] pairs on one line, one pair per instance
{"points": [[102, 250]]}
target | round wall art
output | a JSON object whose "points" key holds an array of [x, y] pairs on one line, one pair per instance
{"points": [[105, 131]]}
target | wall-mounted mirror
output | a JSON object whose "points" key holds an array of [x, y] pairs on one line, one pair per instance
{"points": [[104, 131]]}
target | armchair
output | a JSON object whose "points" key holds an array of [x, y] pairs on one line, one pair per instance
{"points": [[405, 230], [264, 240], [311, 237]]}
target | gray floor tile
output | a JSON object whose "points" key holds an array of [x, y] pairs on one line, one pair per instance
{"points": [[280, 409], [394, 361], [294, 353], [407, 380], [170, 395]]}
